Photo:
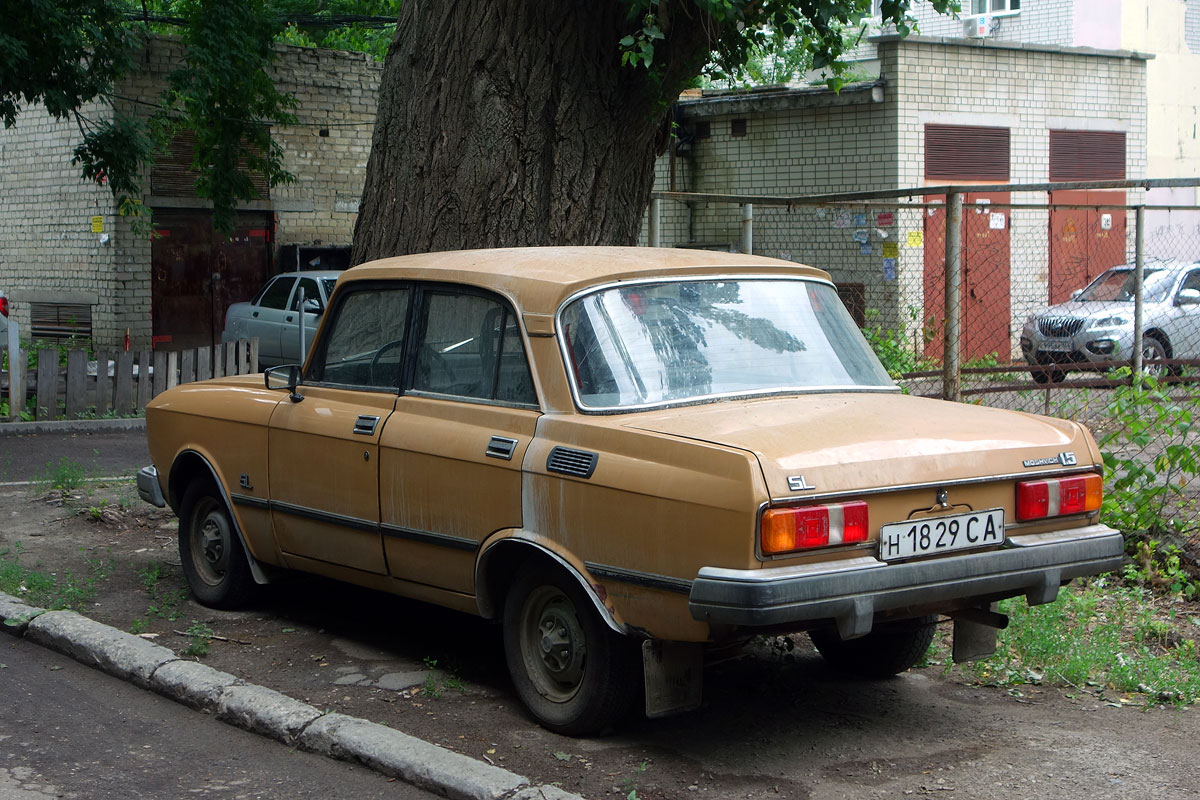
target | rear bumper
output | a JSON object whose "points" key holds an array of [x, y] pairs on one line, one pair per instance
{"points": [[148, 487], [850, 592]]}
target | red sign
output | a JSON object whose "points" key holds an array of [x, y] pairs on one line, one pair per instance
{"points": [[885, 219]]}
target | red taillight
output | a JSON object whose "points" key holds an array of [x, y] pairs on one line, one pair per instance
{"points": [[4, 306], [787, 529], [1057, 497]]}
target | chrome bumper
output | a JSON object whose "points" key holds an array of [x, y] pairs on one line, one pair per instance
{"points": [[850, 592], [148, 487]]}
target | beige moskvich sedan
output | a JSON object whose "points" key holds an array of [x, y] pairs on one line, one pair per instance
{"points": [[627, 456]]}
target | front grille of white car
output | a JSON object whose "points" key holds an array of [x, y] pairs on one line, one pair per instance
{"points": [[1060, 326]]}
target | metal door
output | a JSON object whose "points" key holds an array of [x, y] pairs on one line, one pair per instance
{"points": [[196, 273], [986, 278], [1084, 241]]}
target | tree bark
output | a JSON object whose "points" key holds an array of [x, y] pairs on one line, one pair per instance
{"points": [[512, 122]]}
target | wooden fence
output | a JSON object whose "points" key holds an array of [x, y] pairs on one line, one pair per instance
{"points": [[116, 383]]}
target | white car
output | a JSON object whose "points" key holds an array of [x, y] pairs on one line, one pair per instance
{"points": [[1094, 329], [274, 316]]}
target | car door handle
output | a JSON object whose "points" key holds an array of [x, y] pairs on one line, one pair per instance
{"points": [[255, 315], [501, 447], [365, 425], [289, 318]]}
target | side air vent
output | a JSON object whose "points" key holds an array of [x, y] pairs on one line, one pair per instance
{"points": [[579, 463]]}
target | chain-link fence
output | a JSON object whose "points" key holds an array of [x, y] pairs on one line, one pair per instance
{"points": [[1045, 298]]}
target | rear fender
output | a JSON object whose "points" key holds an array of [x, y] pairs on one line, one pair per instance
{"points": [[507, 552]]}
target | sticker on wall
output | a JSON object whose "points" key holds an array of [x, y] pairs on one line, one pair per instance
{"points": [[889, 269], [864, 248], [97, 224], [841, 218], [821, 213], [860, 220], [915, 239], [1106, 222], [891, 249], [885, 219], [861, 236], [996, 220]]}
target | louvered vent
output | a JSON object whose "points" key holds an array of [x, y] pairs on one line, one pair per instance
{"points": [[579, 463], [172, 174], [1087, 156], [966, 153]]}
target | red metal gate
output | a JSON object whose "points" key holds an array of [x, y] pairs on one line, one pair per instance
{"points": [[986, 301], [1084, 241], [196, 273]]}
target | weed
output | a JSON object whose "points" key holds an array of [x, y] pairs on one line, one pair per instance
{"points": [[893, 350], [49, 589], [65, 474], [199, 639], [631, 783], [139, 626], [430, 687]]}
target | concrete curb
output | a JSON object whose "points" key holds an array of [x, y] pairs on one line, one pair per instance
{"points": [[73, 426], [266, 711]]}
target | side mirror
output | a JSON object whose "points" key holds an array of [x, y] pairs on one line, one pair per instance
{"points": [[1189, 297], [287, 377], [312, 307], [1075, 294]]}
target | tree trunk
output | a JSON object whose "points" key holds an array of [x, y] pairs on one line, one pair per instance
{"points": [[512, 122]]}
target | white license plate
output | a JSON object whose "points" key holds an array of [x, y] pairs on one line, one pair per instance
{"points": [[930, 535], [1056, 345]]}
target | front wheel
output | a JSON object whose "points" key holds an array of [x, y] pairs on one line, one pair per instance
{"points": [[214, 563], [887, 650], [574, 674]]}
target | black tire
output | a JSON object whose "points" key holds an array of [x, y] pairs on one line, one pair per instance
{"points": [[213, 559], [886, 651], [574, 674], [1153, 348]]}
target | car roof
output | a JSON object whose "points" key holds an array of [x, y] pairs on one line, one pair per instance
{"points": [[319, 274], [539, 279]]}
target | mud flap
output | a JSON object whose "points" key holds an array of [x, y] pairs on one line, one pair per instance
{"points": [[674, 676], [975, 632]]}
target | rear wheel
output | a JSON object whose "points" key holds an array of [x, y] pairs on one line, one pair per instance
{"points": [[574, 674], [1153, 349], [214, 562], [887, 650]]}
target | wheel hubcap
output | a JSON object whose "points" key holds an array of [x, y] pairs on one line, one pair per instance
{"points": [[210, 543], [553, 643]]}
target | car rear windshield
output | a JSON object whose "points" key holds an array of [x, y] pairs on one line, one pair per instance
{"points": [[1116, 285], [678, 341]]}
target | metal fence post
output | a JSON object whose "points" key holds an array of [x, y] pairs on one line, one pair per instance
{"points": [[951, 379], [654, 234], [16, 372], [748, 228], [1139, 274]]}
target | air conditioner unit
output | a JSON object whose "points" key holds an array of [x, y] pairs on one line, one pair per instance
{"points": [[977, 27]]}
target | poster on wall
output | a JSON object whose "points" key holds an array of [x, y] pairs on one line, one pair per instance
{"points": [[889, 269]]}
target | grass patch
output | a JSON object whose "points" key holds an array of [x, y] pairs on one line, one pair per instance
{"points": [[66, 474], [51, 590], [1101, 637]]}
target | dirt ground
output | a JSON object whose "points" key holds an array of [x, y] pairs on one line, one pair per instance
{"points": [[769, 727]]}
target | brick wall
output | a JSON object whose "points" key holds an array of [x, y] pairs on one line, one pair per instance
{"points": [[47, 252]]}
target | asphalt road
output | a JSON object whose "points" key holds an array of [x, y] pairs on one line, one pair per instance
{"points": [[31, 457], [71, 731]]}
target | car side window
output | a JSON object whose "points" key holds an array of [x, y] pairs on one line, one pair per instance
{"points": [[276, 295], [1192, 281], [470, 346], [365, 345], [311, 292]]}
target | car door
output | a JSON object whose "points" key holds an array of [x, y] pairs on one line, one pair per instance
{"points": [[290, 328], [323, 449], [266, 318], [1183, 324], [451, 454]]}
